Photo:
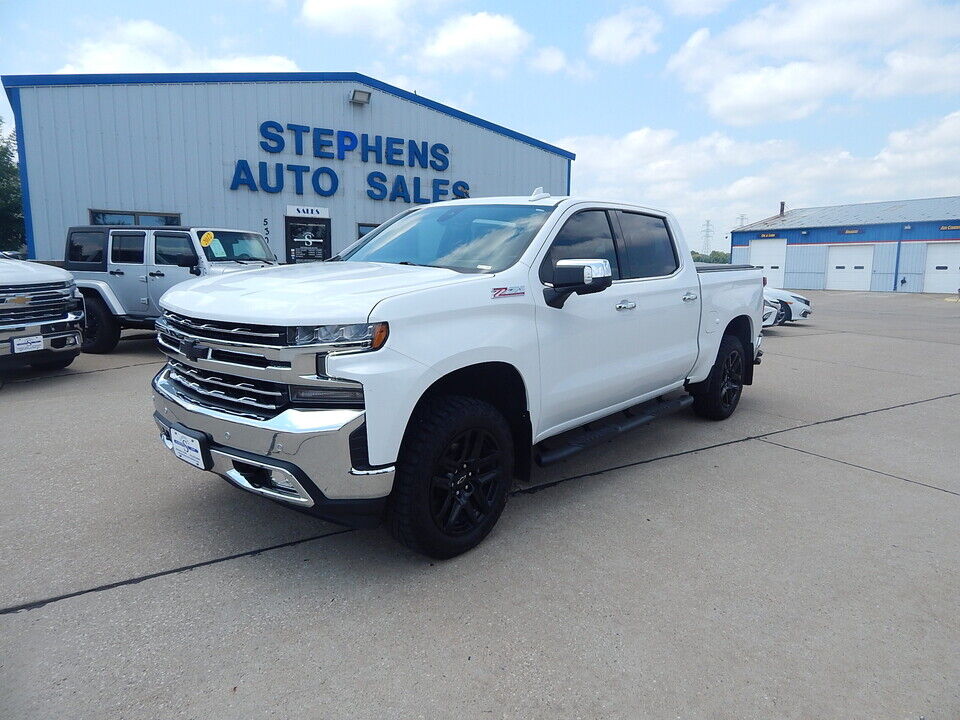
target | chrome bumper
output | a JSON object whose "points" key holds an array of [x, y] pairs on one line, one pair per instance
{"points": [[61, 335], [308, 451]]}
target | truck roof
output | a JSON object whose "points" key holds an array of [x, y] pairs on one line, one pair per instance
{"points": [[182, 228], [545, 200]]}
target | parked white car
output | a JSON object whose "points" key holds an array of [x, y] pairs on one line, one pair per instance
{"points": [[790, 306], [771, 310], [409, 377]]}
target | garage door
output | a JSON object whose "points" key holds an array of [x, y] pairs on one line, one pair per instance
{"points": [[849, 267], [942, 274], [769, 255]]}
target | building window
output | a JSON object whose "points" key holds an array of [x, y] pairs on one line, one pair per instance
{"points": [[123, 217], [364, 228]]}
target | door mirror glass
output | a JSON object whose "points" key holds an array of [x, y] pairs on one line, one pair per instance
{"points": [[582, 277]]}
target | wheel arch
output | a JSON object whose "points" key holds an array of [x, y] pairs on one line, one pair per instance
{"points": [[101, 290], [741, 327], [501, 385]]}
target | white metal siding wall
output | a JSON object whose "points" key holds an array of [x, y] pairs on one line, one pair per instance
{"points": [[806, 267], [884, 263], [172, 148], [740, 255], [913, 256]]}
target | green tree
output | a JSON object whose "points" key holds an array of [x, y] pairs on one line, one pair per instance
{"points": [[12, 236], [716, 256]]}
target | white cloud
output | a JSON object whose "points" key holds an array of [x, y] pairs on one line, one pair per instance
{"points": [[145, 46], [697, 7], [789, 59], [552, 60], [380, 18], [716, 177], [480, 40], [625, 36]]}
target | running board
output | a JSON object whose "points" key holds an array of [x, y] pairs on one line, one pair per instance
{"points": [[601, 431]]}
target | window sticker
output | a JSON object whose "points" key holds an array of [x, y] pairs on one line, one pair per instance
{"points": [[216, 248]]}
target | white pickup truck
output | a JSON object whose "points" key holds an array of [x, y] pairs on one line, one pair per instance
{"points": [[409, 377]]}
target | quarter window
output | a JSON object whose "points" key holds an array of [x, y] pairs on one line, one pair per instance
{"points": [[585, 236], [650, 251], [86, 247], [169, 248], [127, 249]]}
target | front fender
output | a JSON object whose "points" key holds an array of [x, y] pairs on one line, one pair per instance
{"points": [[105, 292]]}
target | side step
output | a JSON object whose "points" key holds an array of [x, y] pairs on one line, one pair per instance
{"points": [[607, 429]]}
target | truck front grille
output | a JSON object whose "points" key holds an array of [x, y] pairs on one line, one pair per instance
{"points": [[35, 303], [243, 334], [229, 393]]}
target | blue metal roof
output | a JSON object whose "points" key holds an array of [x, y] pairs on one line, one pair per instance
{"points": [[875, 213], [10, 82]]}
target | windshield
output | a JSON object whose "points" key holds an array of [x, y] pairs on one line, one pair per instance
{"points": [[232, 245], [465, 238]]}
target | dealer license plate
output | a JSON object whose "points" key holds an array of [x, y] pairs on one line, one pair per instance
{"points": [[28, 344], [187, 448]]}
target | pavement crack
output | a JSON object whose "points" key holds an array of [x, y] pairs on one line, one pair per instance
{"points": [[860, 467], [35, 604], [82, 372]]}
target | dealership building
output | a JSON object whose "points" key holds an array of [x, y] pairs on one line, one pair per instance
{"points": [[899, 246], [311, 160]]}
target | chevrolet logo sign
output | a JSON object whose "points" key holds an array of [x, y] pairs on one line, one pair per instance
{"points": [[18, 300], [193, 350]]}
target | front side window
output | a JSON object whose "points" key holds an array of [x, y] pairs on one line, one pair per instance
{"points": [[86, 247], [232, 245], [127, 248], [649, 248], [465, 238], [169, 248], [585, 236]]}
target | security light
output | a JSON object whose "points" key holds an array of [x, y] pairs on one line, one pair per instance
{"points": [[360, 97]]}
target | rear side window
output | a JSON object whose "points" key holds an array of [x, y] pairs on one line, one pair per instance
{"points": [[127, 248], [169, 248], [86, 247], [649, 249], [585, 236]]}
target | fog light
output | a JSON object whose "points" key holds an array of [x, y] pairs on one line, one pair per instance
{"points": [[330, 396]]}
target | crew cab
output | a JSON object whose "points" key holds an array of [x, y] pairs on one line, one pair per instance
{"points": [[409, 377], [123, 270], [40, 316]]}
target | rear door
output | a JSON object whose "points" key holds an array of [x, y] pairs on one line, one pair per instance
{"points": [[660, 289], [164, 273], [126, 266]]}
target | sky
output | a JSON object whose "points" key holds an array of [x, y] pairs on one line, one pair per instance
{"points": [[716, 110]]}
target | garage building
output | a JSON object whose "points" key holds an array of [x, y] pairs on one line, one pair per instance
{"points": [[312, 160], [901, 246]]}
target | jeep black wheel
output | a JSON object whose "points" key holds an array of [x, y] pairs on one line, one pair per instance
{"points": [[453, 476], [101, 331]]}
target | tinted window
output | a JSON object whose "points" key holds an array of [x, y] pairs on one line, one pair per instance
{"points": [[169, 248], [649, 249], [127, 249], [86, 247], [147, 219], [101, 217], [585, 236]]}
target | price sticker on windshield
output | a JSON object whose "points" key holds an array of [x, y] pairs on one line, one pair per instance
{"points": [[206, 239]]}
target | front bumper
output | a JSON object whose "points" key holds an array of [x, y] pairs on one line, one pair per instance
{"points": [[58, 336], [300, 458]]}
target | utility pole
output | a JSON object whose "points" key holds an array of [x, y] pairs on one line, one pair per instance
{"points": [[706, 233], [742, 219]]}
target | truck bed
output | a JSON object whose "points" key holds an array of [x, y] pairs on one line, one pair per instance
{"points": [[720, 267]]}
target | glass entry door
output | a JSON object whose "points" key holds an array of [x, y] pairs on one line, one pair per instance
{"points": [[307, 239]]}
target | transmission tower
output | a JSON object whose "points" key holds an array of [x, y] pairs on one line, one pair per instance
{"points": [[706, 233], [742, 219]]}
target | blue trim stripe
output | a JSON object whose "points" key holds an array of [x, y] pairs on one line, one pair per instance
{"points": [[14, 96], [12, 82]]}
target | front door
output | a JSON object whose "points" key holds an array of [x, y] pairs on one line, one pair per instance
{"points": [[126, 265], [307, 239], [164, 273]]}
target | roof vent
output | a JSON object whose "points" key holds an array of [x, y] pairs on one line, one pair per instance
{"points": [[538, 194], [783, 207]]}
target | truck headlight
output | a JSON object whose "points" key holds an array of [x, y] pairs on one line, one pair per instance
{"points": [[360, 336], [351, 396]]}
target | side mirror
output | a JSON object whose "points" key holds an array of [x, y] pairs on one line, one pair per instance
{"points": [[189, 261], [582, 277]]}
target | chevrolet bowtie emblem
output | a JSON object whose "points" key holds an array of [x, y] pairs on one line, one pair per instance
{"points": [[193, 350], [18, 300]]}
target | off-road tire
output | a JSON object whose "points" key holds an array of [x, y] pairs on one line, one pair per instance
{"points": [[101, 331], [56, 364], [719, 395], [429, 446]]}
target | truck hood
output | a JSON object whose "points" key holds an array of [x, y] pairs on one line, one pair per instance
{"points": [[15, 272], [305, 294], [216, 269]]}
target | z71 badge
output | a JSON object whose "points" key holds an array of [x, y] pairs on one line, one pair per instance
{"points": [[504, 292]]}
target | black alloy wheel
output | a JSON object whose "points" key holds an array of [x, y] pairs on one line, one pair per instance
{"points": [[464, 482], [731, 379], [783, 314]]}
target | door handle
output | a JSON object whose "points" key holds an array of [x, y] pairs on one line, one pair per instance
{"points": [[689, 297], [115, 272], [626, 305], [156, 274]]}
